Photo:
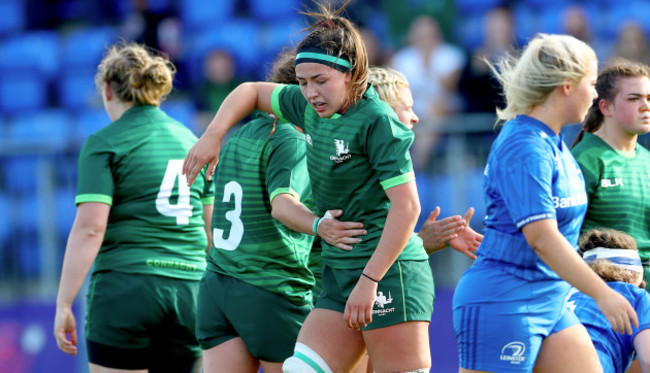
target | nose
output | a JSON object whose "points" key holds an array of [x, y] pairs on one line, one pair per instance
{"points": [[311, 91], [645, 104]]}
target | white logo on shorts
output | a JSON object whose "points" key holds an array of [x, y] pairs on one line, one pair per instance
{"points": [[513, 352], [381, 301]]}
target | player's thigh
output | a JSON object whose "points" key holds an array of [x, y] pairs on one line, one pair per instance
{"points": [[402, 347], [229, 356], [569, 350], [268, 323], [325, 332]]}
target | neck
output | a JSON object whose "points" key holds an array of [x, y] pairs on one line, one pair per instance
{"points": [[548, 115], [617, 139], [117, 108]]}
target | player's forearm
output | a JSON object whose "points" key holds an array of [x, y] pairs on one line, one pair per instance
{"points": [[81, 251], [292, 213]]}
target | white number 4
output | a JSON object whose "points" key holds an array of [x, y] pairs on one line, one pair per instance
{"points": [[182, 210]]}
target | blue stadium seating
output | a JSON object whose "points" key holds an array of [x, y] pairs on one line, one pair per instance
{"points": [[22, 91], [13, 16], [88, 122], [77, 90], [83, 48], [183, 111], [238, 36], [199, 14], [5, 218], [33, 51], [265, 10], [20, 174], [465, 7], [46, 129], [65, 210]]}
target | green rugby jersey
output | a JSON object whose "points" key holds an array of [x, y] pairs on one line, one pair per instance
{"points": [[248, 243], [155, 225], [617, 187], [352, 159]]}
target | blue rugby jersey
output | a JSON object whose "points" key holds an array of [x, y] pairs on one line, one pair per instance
{"points": [[530, 175], [615, 350]]}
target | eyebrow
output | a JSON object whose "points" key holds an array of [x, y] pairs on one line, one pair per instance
{"points": [[315, 76]]}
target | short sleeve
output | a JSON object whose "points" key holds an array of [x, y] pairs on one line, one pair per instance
{"points": [[95, 181], [590, 171], [387, 146], [289, 104], [286, 170], [525, 179], [207, 198]]}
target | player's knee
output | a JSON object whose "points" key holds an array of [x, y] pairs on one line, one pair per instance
{"points": [[305, 360]]}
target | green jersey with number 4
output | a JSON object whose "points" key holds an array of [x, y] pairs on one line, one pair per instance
{"points": [[257, 164], [156, 222]]}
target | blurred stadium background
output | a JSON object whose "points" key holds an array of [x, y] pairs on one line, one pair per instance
{"points": [[49, 50]]}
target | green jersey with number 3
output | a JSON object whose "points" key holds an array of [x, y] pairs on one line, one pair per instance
{"points": [[156, 222], [257, 164]]}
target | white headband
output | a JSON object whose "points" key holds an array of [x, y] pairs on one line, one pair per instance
{"points": [[626, 259]]}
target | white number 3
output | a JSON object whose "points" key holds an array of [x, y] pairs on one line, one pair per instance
{"points": [[182, 210], [233, 189]]}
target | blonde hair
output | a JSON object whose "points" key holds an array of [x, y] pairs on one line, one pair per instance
{"points": [[612, 239], [339, 37], [547, 62], [387, 82], [136, 74]]}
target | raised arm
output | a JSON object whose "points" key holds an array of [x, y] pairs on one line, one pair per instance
{"points": [[237, 105], [551, 246], [83, 245]]}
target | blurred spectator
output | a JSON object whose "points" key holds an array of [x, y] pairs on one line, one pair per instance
{"points": [[219, 74], [632, 43], [575, 23], [374, 47], [433, 68], [480, 91]]}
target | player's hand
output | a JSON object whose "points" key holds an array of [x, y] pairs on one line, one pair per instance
{"points": [[467, 240], [618, 311], [436, 233], [65, 326], [341, 234], [358, 308], [205, 151]]}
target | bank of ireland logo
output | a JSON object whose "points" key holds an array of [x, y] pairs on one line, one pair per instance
{"points": [[342, 151], [513, 352]]}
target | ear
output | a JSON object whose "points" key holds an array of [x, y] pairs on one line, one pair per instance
{"points": [[108, 92], [605, 107], [348, 78], [566, 88]]}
